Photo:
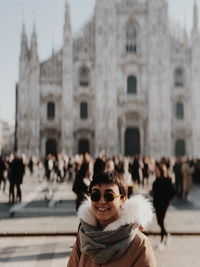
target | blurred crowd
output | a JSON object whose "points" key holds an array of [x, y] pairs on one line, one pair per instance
{"points": [[79, 170]]}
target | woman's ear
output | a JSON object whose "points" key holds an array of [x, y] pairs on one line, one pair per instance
{"points": [[140, 228], [123, 199]]}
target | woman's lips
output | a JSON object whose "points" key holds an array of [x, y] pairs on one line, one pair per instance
{"points": [[102, 209]]}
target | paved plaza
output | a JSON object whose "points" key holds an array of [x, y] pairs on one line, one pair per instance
{"points": [[54, 251], [49, 210]]}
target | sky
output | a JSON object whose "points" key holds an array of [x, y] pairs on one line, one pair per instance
{"points": [[48, 17]]}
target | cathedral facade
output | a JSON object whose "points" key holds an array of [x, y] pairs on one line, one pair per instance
{"points": [[125, 85]]}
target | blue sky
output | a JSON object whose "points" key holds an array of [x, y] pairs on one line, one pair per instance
{"points": [[48, 16]]}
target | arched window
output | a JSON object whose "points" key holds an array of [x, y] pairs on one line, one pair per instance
{"points": [[83, 110], [132, 85], [84, 76], [179, 111], [179, 77], [180, 148], [50, 110], [131, 38]]}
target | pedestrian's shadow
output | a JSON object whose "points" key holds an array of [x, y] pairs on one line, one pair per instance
{"points": [[38, 257], [38, 208], [183, 204], [33, 251]]}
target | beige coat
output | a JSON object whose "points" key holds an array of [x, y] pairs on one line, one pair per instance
{"points": [[139, 254]]}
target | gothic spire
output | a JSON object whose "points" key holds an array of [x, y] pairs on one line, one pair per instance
{"points": [[195, 17], [33, 44], [24, 43], [67, 24]]}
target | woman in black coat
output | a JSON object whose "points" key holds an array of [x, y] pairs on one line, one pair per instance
{"points": [[162, 192], [79, 187]]}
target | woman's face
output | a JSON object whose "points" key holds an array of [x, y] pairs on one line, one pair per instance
{"points": [[106, 212]]}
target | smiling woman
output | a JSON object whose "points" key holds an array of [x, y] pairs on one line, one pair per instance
{"points": [[106, 201], [109, 233]]}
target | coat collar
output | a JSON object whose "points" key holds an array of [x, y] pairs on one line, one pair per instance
{"points": [[136, 210]]}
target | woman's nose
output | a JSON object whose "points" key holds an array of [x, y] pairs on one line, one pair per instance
{"points": [[102, 199]]}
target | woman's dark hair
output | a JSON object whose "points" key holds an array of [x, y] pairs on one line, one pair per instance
{"points": [[112, 178]]}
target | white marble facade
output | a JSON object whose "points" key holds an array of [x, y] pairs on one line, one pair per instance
{"points": [[127, 84]]}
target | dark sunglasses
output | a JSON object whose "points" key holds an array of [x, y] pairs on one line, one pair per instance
{"points": [[108, 197]]}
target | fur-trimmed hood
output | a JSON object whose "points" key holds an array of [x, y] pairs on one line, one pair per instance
{"points": [[137, 210]]}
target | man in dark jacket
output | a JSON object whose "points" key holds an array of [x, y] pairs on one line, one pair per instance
{"points": [[2, 169], [17, 170], [178, 178]]}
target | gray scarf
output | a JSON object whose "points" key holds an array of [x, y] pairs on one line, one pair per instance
{"points": [[104, 246]]}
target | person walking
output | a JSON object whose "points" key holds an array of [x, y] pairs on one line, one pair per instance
{"points": [[162, 192], [145, 171], [70, 170], [110, 226], [187, 177], [99, 164], [30, 165], [178, 178], [2, 170], [17, 170], [134, 169], [79, 187]]}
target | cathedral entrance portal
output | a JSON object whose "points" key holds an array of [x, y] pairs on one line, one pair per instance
{"points": [[51, 147], [132, 141], [83, 146], [180, 148]]}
